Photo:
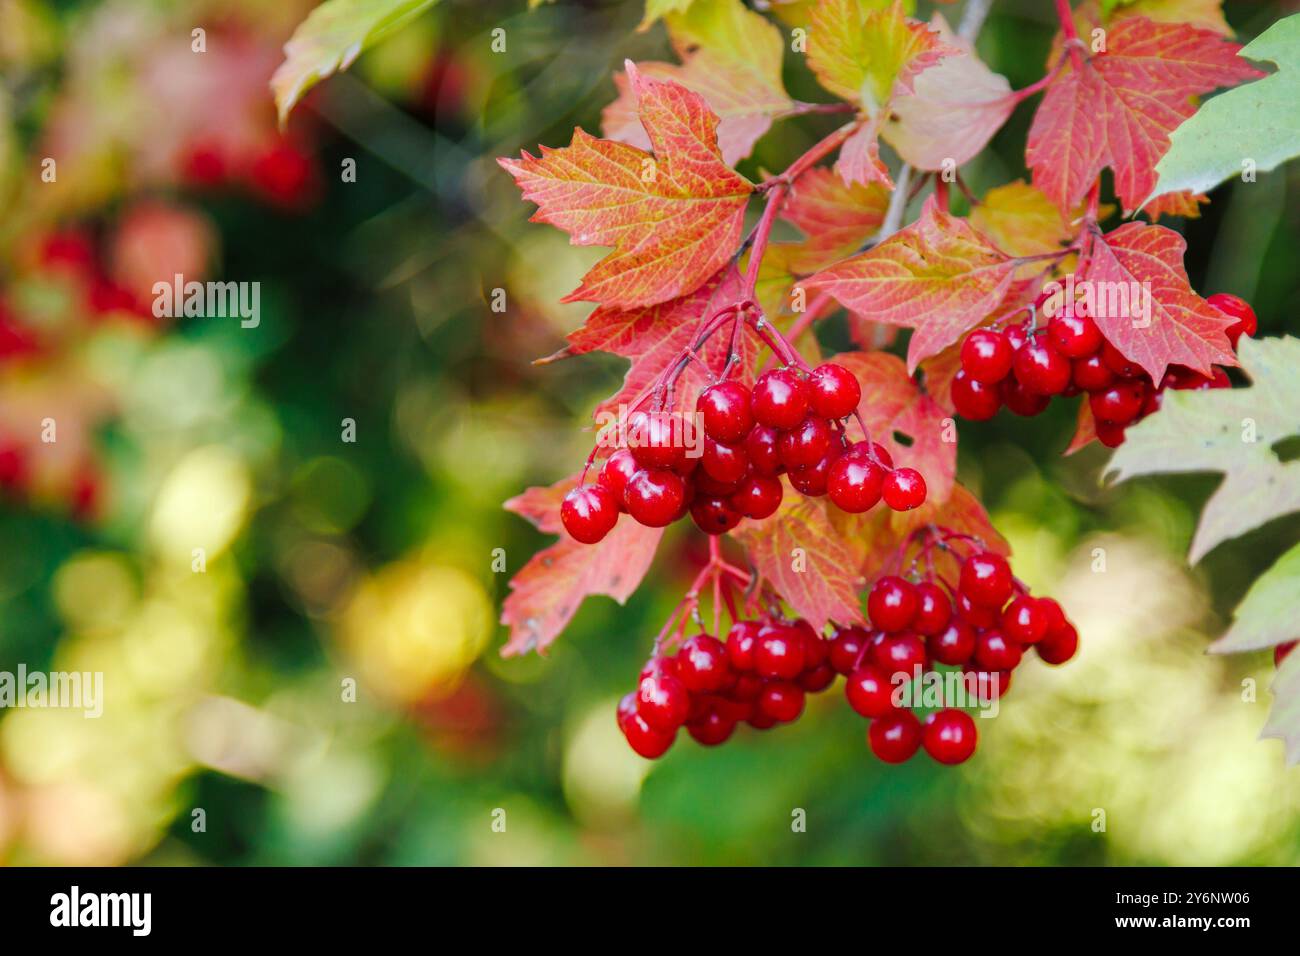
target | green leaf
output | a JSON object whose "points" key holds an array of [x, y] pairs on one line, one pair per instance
{"points": [[1284, 718], [1257, 122], [1233, 431], [331, 38], [1266, 615]]}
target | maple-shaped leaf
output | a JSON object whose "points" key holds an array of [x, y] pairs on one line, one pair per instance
{"points": [[893, 405], [1145, 306], [799, 552], [547, 591], [837, 218], [1235, 431], [653, 336], [331, 38], [732, 57], [674, 217], [1119, 109], [938, 276], [1254, 123], [952, 109], [868, 54], [1266, 618]]}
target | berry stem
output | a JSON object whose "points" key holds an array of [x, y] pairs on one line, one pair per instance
{"points": [[1072, 41]]}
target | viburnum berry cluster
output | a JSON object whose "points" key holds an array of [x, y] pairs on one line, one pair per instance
{"points": [[920, 624], [790, 423], [1023, 366], [723, 419]]}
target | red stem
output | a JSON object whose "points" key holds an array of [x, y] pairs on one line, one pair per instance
{"points": [[1072, 41]]}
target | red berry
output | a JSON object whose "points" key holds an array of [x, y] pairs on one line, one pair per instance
{"points": [[976, 615], [781, 700], [872, 451], [895, 736], [854, 483], [812, 481], [663, 701], [702, 664], [949, 736], [1119, 404], [714, 515], [761, 449], [1240, 310], [589, 512], [904, 489], [758, 497], [711, 728], [725, 410], [1091, 374], [954, 645], [741, 641], [846, 650], [817, 679], [723, 462], [1059, 645], [702, 483], [994, 651], [641, 737], [779, 652], [655, 440], [1052, 611], [869, 692], [833, 391], [815, 647], [1110, 435], [1021, 400], [933, 609], [988, 685], [1117, 362], [892, 604], [1017, 335], [779, 399], [1025, 621], [986, 356], [747, 688], [974, 400], [806, 444], [1040, 368], [986, 579], [614, 475], [655, 497], [1075, 336], [899, 654]]}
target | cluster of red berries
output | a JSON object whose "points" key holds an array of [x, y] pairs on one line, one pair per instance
{"points": [[762, 673], [759, 676], [787, 424], [1022, 368], [983, 627]]}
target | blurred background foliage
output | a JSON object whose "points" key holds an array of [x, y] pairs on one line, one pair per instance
{"points": [[329, 561]]}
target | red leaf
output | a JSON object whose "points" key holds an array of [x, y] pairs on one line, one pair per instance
{"points": [[937, 276], [1182, 328], [1085, 431], [655, 335], [892, 402], [1120, 108], [836, 218], [547, 591], [673, 218], [808, 563]]}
